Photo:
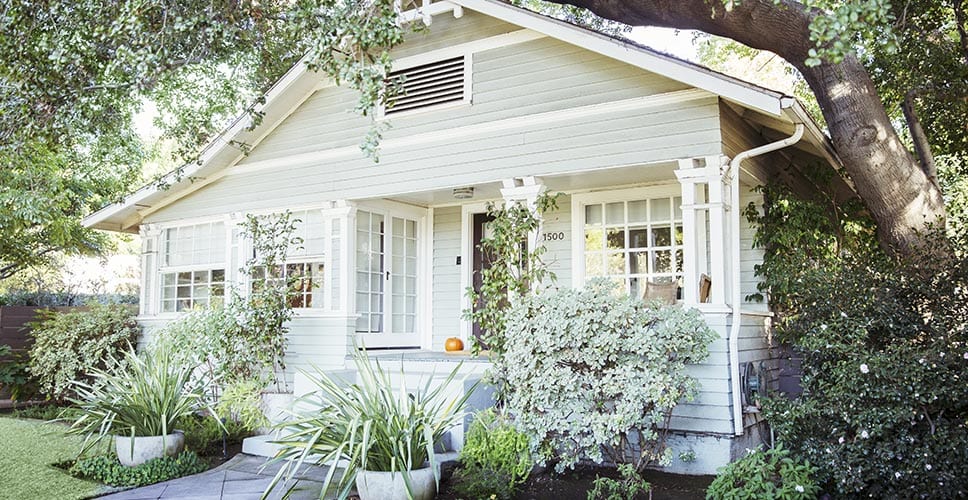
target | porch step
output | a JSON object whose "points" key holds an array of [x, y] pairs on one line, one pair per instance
{"points": [[260, 445], [263, 447]]}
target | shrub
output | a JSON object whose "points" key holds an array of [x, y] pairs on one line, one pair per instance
{"points": [[627, 487], [884, 347], [591, 374], [62, 299], [69, 346], [496, 458], [481, 482], [108, 470], [203, 435], [15, 375], [244, 340], [143, 396], [765, 474], [241, 403], [885, 355]]}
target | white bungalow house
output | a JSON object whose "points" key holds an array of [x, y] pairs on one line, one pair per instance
{"points": [[660, 154]]}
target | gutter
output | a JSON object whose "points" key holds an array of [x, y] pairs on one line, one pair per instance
{"points": [[737, 292]]}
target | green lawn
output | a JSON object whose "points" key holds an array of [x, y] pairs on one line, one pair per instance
{"points": [[27, 450]]}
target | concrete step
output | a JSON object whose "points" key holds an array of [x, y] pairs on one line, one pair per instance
{"points": [[262, 447]]}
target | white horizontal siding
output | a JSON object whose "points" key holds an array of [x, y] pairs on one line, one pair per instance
{"points": [[710, 411], [537, 77], [749, 256], [558, 251], [447, 31], [317, 342], [447, 293], [622, 138]]}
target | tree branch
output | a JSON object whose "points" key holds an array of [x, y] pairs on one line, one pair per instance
{"points": [[921, 145]]}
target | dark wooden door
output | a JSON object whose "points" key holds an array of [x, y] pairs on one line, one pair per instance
{"points": [[480, 262]]}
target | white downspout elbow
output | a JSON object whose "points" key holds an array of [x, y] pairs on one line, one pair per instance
{"points": [[737, 292]]}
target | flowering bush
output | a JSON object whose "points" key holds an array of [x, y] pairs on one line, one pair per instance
{"points": [[885, 403], [765, 474], [590, 374], [885, 356]]}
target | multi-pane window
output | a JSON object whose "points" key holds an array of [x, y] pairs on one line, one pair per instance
{"points": [[634, 242], [386, 273], [404, 275], [192, 266]]}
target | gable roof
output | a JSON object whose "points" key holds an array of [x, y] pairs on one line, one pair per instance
{"points": [[298, 83]]}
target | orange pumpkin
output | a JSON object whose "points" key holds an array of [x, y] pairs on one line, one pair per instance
{"points": [[454, 344]]}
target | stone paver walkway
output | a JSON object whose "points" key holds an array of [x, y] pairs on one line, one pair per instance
{"points": [[239, 479]]}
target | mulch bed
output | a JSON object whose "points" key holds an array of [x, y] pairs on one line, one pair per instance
{"points": [[574, 485]]}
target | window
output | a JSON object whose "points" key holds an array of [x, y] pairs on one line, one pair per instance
{"points": [[633, 241], [304, 265], [429, 85], [192, 266], [386, 274]]}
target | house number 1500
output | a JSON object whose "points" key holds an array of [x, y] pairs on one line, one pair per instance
{"points": [[554, 236]]}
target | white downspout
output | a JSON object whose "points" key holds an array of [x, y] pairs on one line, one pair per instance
{"points": [[737, 292]]}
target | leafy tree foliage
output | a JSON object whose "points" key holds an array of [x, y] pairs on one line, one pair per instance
{"points": [[884, 348], [72, 75]]}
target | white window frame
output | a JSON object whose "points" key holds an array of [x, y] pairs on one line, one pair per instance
{"points": [[388, 338], [164, 268], [580, 200]]}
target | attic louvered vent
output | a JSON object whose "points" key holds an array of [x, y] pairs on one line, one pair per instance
{"points": [[427, 85]]}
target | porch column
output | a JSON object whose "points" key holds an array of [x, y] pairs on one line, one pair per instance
{"points": [[526, 190], [704, 194], [340, 220]]}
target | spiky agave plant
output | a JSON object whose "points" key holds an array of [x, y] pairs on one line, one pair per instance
{"points": [[139, 395], [370, 424]]}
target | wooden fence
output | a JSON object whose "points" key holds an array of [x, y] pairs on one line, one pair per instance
{"points": [[14, 329]]}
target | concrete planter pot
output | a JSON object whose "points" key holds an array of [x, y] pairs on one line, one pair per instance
{"points": [[148, 447], [373, 485]]}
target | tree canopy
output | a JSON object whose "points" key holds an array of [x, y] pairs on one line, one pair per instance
{"points": [[72, 75]]}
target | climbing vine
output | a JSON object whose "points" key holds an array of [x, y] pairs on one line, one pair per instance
{"points": [[516, 267]]}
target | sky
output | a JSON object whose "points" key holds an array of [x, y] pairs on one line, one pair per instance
{"points": [[675, 42]]}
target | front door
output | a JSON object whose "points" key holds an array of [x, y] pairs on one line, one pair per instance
{"points": [[480, 262]]}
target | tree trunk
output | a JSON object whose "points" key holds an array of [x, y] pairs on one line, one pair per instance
{"points": [[896, 191]]}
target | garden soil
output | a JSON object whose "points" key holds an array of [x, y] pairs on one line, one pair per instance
{"points": [[574, 485]]}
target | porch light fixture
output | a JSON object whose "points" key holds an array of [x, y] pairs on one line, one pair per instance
{"points": [[464, 193]]}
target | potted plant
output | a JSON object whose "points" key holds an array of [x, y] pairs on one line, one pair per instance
{"points": [[380, 433], [137, 401]]}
